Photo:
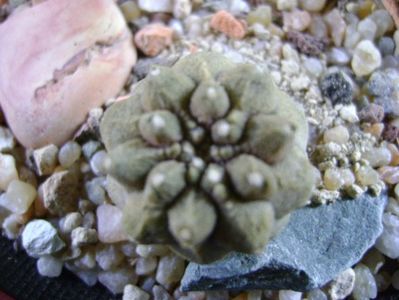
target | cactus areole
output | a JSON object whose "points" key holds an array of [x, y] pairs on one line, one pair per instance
{"points": [[214, 153]]}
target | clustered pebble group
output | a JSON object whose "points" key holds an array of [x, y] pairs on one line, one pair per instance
{"points": [[341, 63]]}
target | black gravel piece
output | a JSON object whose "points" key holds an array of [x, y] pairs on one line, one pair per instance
{"points": [[337, 87]]}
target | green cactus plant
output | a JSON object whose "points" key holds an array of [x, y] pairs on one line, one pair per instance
{"points": [[215, 153]]}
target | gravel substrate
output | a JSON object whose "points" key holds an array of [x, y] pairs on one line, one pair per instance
{"points": [[338, 59]]}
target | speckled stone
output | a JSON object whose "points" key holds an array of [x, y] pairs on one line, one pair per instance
{"points": [[312, 250]]}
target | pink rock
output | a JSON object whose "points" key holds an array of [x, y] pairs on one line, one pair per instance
{"points": [[153, 38], [58, 60], [109, 224]]}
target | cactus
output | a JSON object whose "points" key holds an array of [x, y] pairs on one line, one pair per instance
{"points": [[215, 153]]}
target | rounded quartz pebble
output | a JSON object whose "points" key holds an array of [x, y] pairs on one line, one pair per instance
{"points": [[388, 242], [338, 135], [289, 295], [333, 179], [70, 222], [366, 175], [132, 292], [11, 226], [97, 163], [116, 279], [312, 5], [170, 269], [338, 56], [151, 250], [386, 45], [69, 154], [365, 286], [378, 156], [8, 170], [146, 265], [367, 29], [108, 256], [18, 197], [109, 224], [49, 266], [366, 58]]}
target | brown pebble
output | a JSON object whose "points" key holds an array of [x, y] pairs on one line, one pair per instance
{"points": [[306, 43], [242, 296], [226, 23], [389, 174], [375, 130], [372, 113], [153, 38], [391, 133]]}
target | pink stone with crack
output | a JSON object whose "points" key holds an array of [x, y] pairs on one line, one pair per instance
{"points": [[58, 60]]}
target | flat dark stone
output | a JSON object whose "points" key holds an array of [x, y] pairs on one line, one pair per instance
{"points": [[317, 244]]}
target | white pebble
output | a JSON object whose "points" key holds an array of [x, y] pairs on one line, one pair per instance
{"points": [[286, 4], [333, 179], [289, 295], [109, 257], [40, 238], [132, 292], [49, 266], [146, 265], [342, 286], [366, 175], [170, 270], [367, 29], [12, 226], [8, 170], [388, 242], [338, 135], [69, 154], [365, 286], [70, 222], [313, 66], [156, 6], [338, 56], [18, 197], [312, 5], [97, 163], [181, 8], [116, 280], [383, 20], [95, 192], [366, 58], [336, 25], [151, 250], [109, 224], [378, 157], [348, 113]]}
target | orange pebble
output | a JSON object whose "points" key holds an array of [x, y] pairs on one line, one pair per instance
{"points": [[226, 23], [153, 38]]}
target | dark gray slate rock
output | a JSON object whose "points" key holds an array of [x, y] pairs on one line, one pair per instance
{"points": [[317, 244]]}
